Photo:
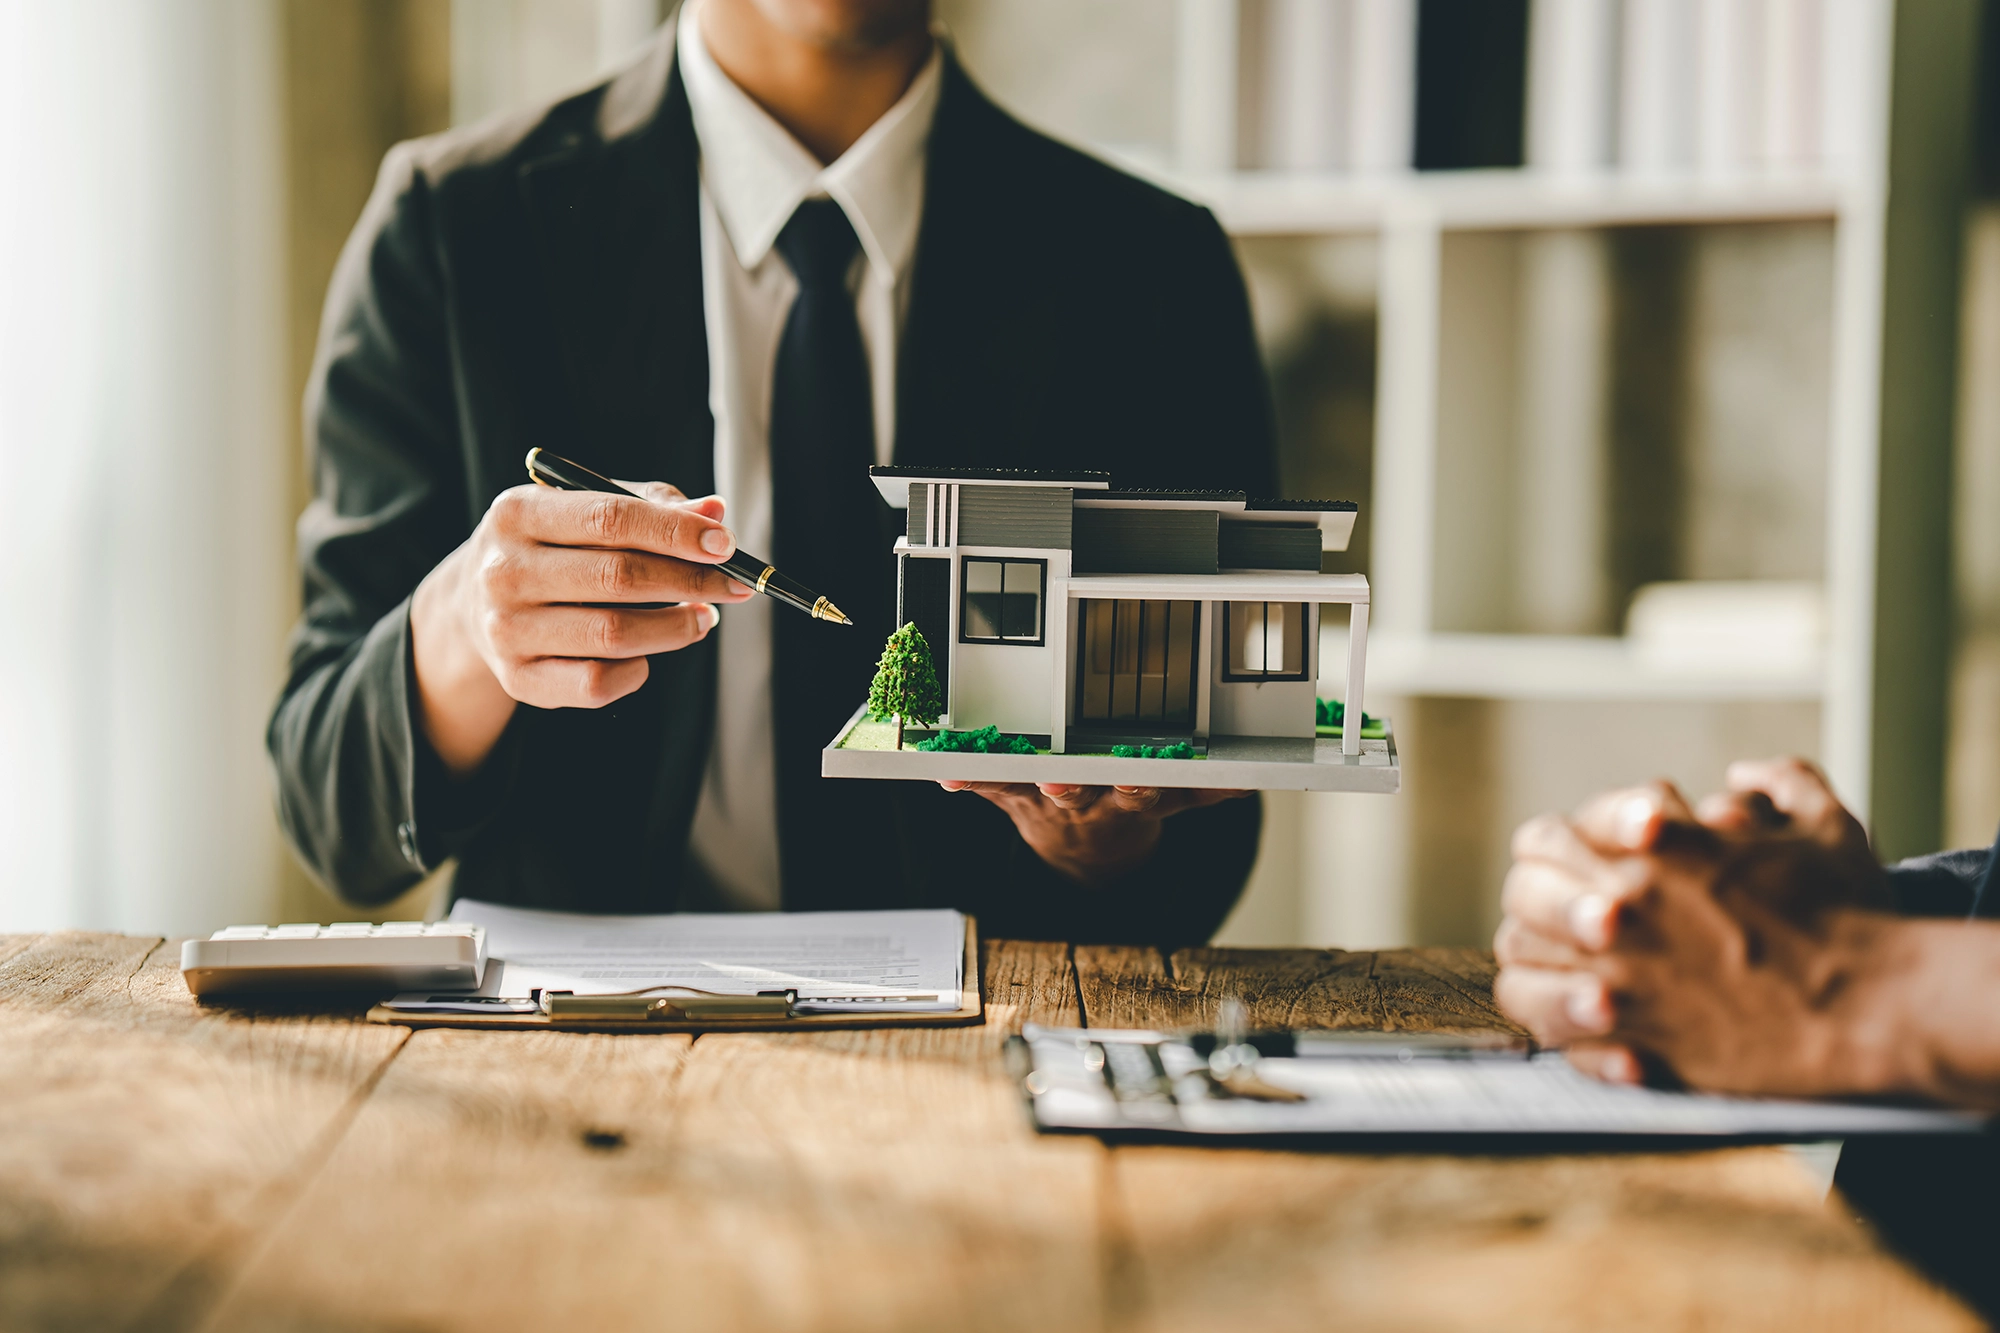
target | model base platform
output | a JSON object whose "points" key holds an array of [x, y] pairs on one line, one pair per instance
{"points": [[866, 748]]}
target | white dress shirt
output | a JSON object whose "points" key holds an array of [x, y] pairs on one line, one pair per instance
{"points": [[753, 175]]}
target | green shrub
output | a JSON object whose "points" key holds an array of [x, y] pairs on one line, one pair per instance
{"points": [[1333, 713], [1178, 750], [986, 740]]}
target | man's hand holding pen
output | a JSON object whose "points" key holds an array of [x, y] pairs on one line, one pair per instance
{"points": [[554, 601]]}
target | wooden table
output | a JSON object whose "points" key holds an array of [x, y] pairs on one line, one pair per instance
{"points": [[166, 1166]]}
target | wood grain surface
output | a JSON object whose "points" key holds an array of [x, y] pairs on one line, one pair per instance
{"points": [[169, 1166], [880, 1179], [146, 1140], [1413, 990]]}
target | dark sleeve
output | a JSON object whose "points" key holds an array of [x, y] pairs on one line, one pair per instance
{"points": [[363, 801], [1188, 386], [1941, 884], [1232, 424]]}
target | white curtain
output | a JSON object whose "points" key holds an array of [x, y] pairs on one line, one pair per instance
{"points": [[145, 439]]}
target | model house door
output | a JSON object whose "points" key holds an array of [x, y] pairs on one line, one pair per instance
{"points": [[1136, 668]]}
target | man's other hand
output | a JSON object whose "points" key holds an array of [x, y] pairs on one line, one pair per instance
{"points": [[1731, 956], [1091, 834], [546, 604]]}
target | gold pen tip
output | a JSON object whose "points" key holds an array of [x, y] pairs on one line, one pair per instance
{"points": [[825, 610]]}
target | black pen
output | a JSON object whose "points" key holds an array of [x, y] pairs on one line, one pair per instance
{"points": [[547, 469]]}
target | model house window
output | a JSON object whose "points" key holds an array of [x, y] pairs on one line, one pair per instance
{"points": [[1264, 641], [1003, 601]]}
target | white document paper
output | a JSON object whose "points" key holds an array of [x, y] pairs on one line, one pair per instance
{"points": [[838, 962], [1074, 1072]]}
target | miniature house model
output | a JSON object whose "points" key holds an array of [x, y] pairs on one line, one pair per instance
{"points": [[1084, 618]]}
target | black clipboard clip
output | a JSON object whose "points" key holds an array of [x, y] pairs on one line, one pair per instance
{"points": [[686, 1005]]}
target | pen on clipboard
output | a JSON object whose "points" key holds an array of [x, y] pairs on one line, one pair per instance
{"points": [[1351, 1044], [547, 469], [1236, 1055]]}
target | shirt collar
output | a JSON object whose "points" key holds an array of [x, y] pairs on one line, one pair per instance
{"points": [[758, 174]]}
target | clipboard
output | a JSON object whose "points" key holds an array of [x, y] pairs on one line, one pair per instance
{"points": [[1396, 1092], [970, 1013]]}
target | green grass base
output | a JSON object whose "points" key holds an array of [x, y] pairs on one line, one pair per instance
{"points": [[869, 734]]}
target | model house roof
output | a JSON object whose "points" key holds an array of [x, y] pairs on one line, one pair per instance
{"points": [[1332, 516], [1305, 506], [1224, 501], [1130, 530], [894, 481], [1156, 494]]}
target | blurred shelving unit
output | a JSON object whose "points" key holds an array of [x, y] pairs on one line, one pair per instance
{"points": [[1560, 666], [1273, 203], [1885, 89]]}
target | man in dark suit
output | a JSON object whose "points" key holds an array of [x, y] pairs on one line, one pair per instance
{"points": [[793, 241]]}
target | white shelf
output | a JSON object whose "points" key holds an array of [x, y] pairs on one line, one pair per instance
{"points": [[1551, 667], [1258, 203]]}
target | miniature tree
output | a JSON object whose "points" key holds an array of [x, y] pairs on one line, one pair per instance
{"points": [[905, 685]]}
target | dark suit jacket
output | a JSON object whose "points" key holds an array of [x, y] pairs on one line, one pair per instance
{"points": [[538, 282], [1946, 884], [1932, 1198]]}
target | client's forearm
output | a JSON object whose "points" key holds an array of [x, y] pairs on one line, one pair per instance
{"points": [[1932, 1011]]}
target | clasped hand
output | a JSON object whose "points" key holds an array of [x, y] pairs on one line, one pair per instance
{"points": [[1733, 949]]}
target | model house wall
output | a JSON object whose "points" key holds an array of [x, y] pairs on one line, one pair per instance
{"points": [[1082, 617], [1263, 708], [1011, 685]]}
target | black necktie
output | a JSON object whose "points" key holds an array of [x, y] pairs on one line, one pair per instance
{"points": [[829, 532]]}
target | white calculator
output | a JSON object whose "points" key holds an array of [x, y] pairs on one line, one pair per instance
{"points": [[346, 956]]}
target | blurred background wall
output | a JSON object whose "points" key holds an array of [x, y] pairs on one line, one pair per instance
{"points": [[146, 431], [1593, 304]]}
